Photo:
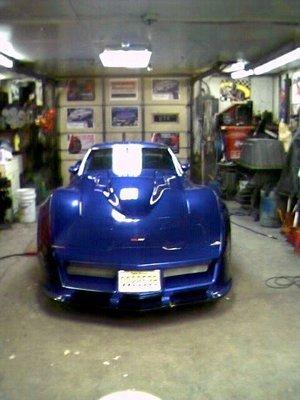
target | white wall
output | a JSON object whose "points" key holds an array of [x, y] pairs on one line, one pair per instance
{"points": [[262, 94]]}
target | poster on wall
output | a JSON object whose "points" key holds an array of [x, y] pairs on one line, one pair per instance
{"points": [[284, 94], [124, 116], [80, 118], [165, 89], [165, 118], [296, 88], [170, 139], [81, 90], [80, 142], [123, 89], [235, 90]]}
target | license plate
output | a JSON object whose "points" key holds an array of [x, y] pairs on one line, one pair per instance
{"points": [[139, 281]]}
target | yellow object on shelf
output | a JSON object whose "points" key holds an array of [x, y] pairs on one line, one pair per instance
{"points": [[16, 142]]}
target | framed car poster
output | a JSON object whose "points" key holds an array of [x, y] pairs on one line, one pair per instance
{"points": [[80, 142], [80, 118], [165, 118], [124, 116], [123, 89], [81, 90], [171, 139], [165, 89], [284, 97]]}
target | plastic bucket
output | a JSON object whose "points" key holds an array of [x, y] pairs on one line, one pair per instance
{"points": [[268, 210], [27, 211]]}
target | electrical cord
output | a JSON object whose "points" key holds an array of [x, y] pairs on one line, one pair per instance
{"points": [[27, 254], [255, 231], [283, 282]]}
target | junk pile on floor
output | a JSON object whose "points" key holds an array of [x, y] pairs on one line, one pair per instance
{"points": [[260, 170], [289, 188]]}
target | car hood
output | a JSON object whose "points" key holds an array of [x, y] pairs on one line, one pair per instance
{"points": [[149, 214]]}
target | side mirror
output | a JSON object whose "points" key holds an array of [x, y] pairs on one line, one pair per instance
{"points": [[185, 166], [75, 168]]}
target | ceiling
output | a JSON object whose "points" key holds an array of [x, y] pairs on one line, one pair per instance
{"points": [[64, 37]]}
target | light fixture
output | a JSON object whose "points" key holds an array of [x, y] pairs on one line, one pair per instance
{"points": [[125, 57], [237, 66], [291, 56], [8, 49], [5, 61], [277, 62], [242, 73]]}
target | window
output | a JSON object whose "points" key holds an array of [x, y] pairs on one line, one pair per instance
{"points": [[152, 158]]}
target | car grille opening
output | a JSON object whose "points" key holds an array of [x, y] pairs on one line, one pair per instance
{"points": [[90, 270], [98, 271], [195, 269]]}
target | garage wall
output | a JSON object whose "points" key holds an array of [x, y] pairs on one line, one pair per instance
{"points": [[262, 95], [103, 130]]}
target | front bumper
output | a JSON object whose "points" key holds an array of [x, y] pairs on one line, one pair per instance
{"points": [[176, 291], [139, 302]]}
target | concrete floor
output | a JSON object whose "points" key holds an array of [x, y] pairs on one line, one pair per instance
{"points": [[247, 346]]}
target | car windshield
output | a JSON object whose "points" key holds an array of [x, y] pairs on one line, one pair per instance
{"points": [[129, 160]]}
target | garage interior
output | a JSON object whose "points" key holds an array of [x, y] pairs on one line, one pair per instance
{"points": [[222, 89]]}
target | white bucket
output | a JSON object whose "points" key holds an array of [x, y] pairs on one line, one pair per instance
{"points": [[26, 199]]}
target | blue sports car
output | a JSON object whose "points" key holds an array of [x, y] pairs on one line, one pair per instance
{"points": [[133, 232]]}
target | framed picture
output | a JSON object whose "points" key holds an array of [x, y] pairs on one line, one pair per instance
{"points": [[165, 118], [81, 90], [80, 142], [123, 89], [80, 118], [165, 89], [171, 139], [124, 116], [296, 88], [284, 97]]}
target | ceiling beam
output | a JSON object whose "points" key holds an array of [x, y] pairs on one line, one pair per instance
{"points": [[294, 21]]}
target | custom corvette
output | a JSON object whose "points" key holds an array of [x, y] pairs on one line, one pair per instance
{"points": [[132, 231]]}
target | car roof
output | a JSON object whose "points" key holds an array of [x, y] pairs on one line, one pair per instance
{"points": [[142, 144]]}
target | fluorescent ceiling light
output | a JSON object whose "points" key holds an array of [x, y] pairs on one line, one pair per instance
{"points": [[237, 66], [7, 48], [125, 58], [291, 56], [6, 62], [242, 74]]}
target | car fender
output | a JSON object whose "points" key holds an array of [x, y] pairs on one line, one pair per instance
{"points": [[206, 208], [64, 209]]}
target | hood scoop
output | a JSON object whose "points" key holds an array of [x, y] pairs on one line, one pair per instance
{"points": [[133, 197]]}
